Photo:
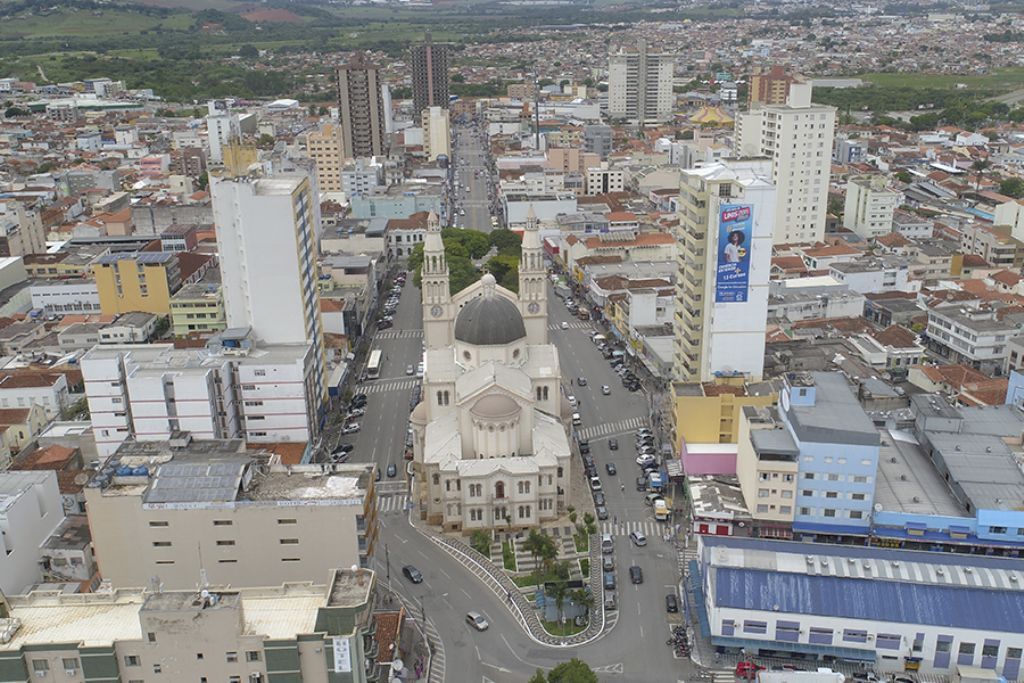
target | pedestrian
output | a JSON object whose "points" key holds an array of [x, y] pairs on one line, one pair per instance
{"points": [[622, 487]]}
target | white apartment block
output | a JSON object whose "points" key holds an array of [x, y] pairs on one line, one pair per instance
{"points": [[1011, 213], [221, 128], [797, 137], [361, 176], [30, 510], [66, 296], [436, 132], [173, 510], [870, 205], [972, 336], [640, 85], [267, 233], [262, 393], [602, 180]]}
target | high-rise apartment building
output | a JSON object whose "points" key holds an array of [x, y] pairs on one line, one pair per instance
{"points": [[640, 85], [327, 150], [137, 281], [870, 205], [771, 86], [361, 108], [724, 256], [797, 137], [221, 128], [436, 132], [429, 75], [267, 234]]}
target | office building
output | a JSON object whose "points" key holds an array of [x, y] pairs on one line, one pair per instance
{"points": [[222, 127], [326, 148], [640, 85], [233, 388], [137, 281], [726, 221], [797, 137], [326, 630], [268, 235], [429, 75], [176, 509], [770, 87], [30, 511], [602, 179], [436, 133], [361, 108], [597, 139], [361, 177], [870, 205]]}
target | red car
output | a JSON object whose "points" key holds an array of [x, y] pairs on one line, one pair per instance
{"points": [[747, 670]]}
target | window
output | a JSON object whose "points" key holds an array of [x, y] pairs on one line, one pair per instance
{"points": [[854, 636], [762, 509], [132, 660], [755, 627], [805, 511], [831, 494], [808, 475], [990, 650], [807, 492], [830, 513], [786, 509], [287, 521], [199, 656], [157, 669], [997, 529], [833, 477], [966, 649], [887, 641], [288, 541], [227, 561], [40, 665], [161, 544], [856, 514], [857, 496], [225, 542], [943, 646], [290, 559], [231, 656], [151, 637], [787, 494], [234, 679], [860, 480], [159, 524], [762, 493], [252, 655], [1013, 653]]}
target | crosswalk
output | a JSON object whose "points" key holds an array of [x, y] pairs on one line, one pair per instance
{"points": [[573, 325], [384, 386], [723, 676], [391, 504], [648, 528], [684, 555], [609, 429], [399, 334]]}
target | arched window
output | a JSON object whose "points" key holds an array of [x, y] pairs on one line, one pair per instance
{"points": [[440, 396], [561, 473], [499, 489], [538, 393], [545, 393], [436, 479], [446, 398]]}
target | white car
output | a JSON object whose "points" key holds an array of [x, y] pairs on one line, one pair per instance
{"points": [[595, 484], [477, 621], [419, 369], [606, 390], [565, 325], [351, 428], [644, 459], [572, 400]]}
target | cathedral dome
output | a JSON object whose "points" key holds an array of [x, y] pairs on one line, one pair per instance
{"points": [[495, 407], [489, 319]]}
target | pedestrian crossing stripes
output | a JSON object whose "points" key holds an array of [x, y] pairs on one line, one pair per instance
{"points": [[399, 334], [723, 676], [391, 504], [648, 528], [573, 325], [609, 429], [684, 555], [384, 386]]}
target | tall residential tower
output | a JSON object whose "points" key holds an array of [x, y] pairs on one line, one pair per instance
{"points": [[362, 108], [640, 85], [429, 75]]}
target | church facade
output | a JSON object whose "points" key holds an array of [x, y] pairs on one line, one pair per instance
{"points": [[489, 436]]}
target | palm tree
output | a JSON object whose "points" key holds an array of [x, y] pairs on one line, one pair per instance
{"points": [[979, 166], [559, 591], [583, 598], [534, 544]]}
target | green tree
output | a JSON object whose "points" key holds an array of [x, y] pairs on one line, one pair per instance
{"points": [[477, 243], [265, 141], [538, 677], [558, 592], [203, 181], [905, 177], [505, 269], [481, 542], [248, 51], [507, 242], [1012, 187], [13, 111], [458, 78], [573, 671]]}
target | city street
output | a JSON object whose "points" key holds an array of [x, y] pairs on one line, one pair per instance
{"points": [[471, 156], [635, 650]]}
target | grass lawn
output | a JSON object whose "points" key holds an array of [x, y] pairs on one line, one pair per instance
{"points": [[80, 23], [1000, 79], [508, 556], [585, 566], [569, 628], [582, 542], [525, 580]]}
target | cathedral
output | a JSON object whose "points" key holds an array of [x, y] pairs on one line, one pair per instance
{"points": [[489, 436]]}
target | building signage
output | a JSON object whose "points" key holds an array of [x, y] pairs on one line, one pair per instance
{"points": [[342, 655], [735, 232]]}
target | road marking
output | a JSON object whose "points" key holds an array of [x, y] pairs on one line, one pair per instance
{"points": [[446, 575], [423, 555], [641, 631], [516, 655]]}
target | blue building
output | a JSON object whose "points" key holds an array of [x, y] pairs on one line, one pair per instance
{"points": [[893, 610]]}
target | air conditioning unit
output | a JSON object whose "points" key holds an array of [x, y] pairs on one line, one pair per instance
{"points": [[41, 674], [71, 672]]}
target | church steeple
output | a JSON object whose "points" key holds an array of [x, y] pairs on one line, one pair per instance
{"points": [[435, 288], [533, 289]]}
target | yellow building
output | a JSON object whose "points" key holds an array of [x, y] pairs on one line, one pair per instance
{"points": [[710, 412], [198, 309], [137, 281], [325, 147]]}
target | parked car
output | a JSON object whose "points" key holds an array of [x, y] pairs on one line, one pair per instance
{"points": [[477, 621], [572, 400], [609, 467], [636, 575], [638, 538], [595, 483], [644, 458], [602, 512], [358, 401], [641, 483], [584, 447], [410, 370], [671, 603], [351, 428], [410, 572], [609, 581], [608, 563], [613, 444]]}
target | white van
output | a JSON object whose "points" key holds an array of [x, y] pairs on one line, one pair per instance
{"points": [[576, 421], [598, 339]]}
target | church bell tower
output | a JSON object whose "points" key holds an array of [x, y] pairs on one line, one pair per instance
{"points": [[533, 287], [437, 300]]}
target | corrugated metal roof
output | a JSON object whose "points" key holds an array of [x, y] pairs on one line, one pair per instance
{"points": [[934, 605]]}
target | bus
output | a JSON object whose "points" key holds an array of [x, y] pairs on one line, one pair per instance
{"points": [[373, 366]]}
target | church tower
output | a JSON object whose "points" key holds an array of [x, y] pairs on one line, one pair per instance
{"points": [[437, 300], [533, 288]]}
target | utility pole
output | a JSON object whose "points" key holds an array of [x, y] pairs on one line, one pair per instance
{"points": [[387, 564]]}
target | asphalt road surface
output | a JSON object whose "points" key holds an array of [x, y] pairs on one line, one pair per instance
{"points": [[470, 158]]}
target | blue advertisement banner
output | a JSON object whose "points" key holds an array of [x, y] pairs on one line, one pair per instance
{"points": [[735, 230]]}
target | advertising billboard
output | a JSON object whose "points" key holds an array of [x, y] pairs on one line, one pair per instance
{"points": [[735, 232]]}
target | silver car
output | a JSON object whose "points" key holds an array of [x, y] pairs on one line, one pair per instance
{"points": [[477, 621]]}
